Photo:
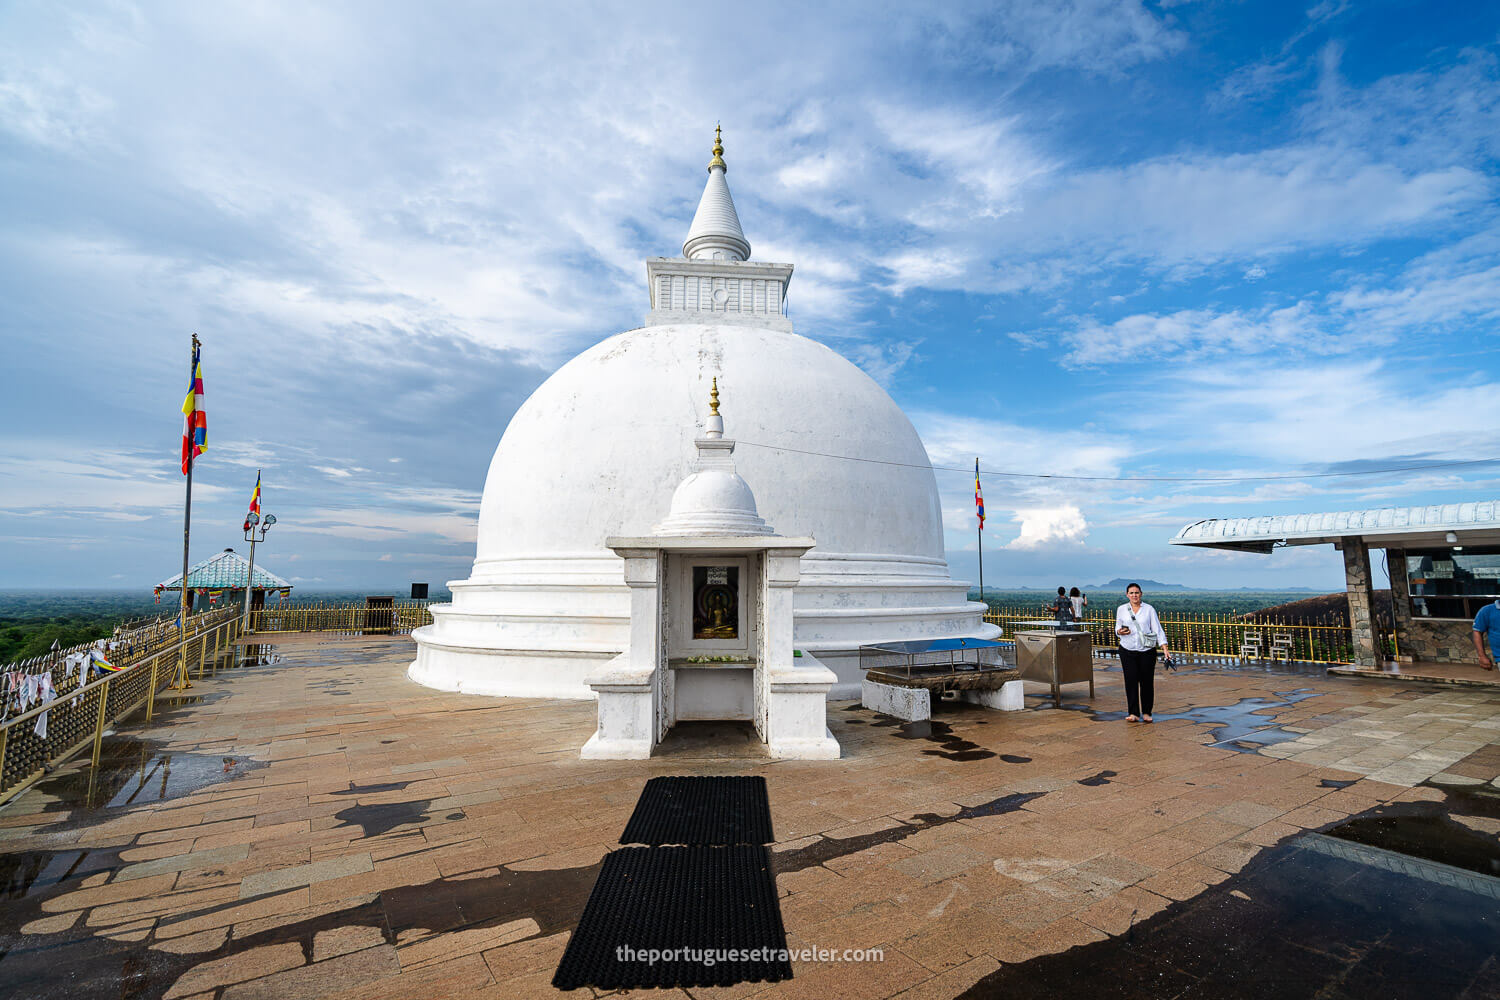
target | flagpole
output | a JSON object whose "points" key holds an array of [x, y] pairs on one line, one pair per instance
{"points": [[980, 532], [181, 681], [250, 573]]}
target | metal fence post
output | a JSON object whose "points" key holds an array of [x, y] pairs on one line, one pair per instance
{"points": [[202, 652], [151, 692], [4, 743], [99, 723]]}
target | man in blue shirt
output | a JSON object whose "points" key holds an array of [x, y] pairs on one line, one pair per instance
{"points": [[1487, 622]]}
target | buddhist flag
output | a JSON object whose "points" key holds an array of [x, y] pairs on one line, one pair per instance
{"points": [[978, 496], [194, 419], [254, 502]]}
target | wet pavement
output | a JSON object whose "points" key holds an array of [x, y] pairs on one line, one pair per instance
{"points": [[136, 771], [1243, 727], [314, 825], [1303, 919]]}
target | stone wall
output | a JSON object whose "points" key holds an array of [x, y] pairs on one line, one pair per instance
{"points": [[1361, 602], [1432, 640]]}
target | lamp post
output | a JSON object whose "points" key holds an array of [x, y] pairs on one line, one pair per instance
{"points": [[255, 531]]}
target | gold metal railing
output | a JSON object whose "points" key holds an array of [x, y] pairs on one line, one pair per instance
{"points": [[129, 643], [397, 618], [78, 717], [1197, 635]]}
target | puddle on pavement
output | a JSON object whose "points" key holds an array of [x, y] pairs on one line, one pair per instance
{"points": [[1317, 916], [1420, 830], [133, 771], [951, 747], [1239, 727], [177, 701], [1283, 668]]}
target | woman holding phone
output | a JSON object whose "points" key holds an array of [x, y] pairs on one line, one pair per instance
{"points": [[1141, 636]]}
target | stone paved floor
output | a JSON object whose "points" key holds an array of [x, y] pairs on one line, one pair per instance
{"points": [[400, 842]]}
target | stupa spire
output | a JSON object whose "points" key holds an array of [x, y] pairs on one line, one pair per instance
{"points": [[713, 427], [718, 160], [715, 233]]}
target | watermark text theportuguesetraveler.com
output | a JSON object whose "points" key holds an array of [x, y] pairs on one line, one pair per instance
{"points": [[713, 956]]}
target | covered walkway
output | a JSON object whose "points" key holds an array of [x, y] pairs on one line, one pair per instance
{"points": [[1443, 562]]}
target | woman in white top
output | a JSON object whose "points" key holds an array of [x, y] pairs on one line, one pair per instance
{"points": [[1080, 601], [1141, 635]]}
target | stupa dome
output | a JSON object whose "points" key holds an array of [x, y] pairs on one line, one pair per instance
{"points": [[557, 487], [602, 446], [718, 496]]}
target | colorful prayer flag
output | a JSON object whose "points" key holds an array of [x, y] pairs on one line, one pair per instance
{"points": [[978, 496], [254, 502], [194, 419]]}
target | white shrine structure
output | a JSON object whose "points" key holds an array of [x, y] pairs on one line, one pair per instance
{"points": [[593, 458], [711, 623]]}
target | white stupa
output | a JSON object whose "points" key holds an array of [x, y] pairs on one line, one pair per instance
{"points": [[601, 446]]}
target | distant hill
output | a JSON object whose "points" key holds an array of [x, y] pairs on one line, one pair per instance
{"points": [[1120, 583], [1323, 608]]}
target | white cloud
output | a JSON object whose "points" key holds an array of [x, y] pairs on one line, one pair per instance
{"points": [[1202, 209], [1044, 527], [816, 172], [954, 440], [1436, 301], [101, 484], [882, 361], [1317, 414], [1190, 332], [334, 472]]}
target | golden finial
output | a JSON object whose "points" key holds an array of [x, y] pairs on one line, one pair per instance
{"points": [[718, 160], [713, 398]]}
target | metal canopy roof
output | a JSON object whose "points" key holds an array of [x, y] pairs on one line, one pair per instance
{"points": [[1476, 523], [225, 570]]}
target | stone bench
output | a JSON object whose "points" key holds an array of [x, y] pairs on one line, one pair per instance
{"points": [[910, 698]]}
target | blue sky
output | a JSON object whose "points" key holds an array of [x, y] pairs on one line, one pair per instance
{"points": [[1105, 239]]}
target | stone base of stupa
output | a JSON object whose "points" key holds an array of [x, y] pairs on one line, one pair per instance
{"points": [[543, 635]]}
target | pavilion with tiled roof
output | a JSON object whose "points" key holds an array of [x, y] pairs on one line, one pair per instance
{"points": [[226, 571]]}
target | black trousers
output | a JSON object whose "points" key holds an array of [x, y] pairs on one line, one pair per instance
{"points": [[1140, 678]]}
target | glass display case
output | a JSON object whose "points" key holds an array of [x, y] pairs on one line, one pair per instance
{"points": [[1452, 582]]}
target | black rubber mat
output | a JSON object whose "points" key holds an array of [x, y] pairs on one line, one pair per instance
{"points": [[701, 811], [691, 916]]}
